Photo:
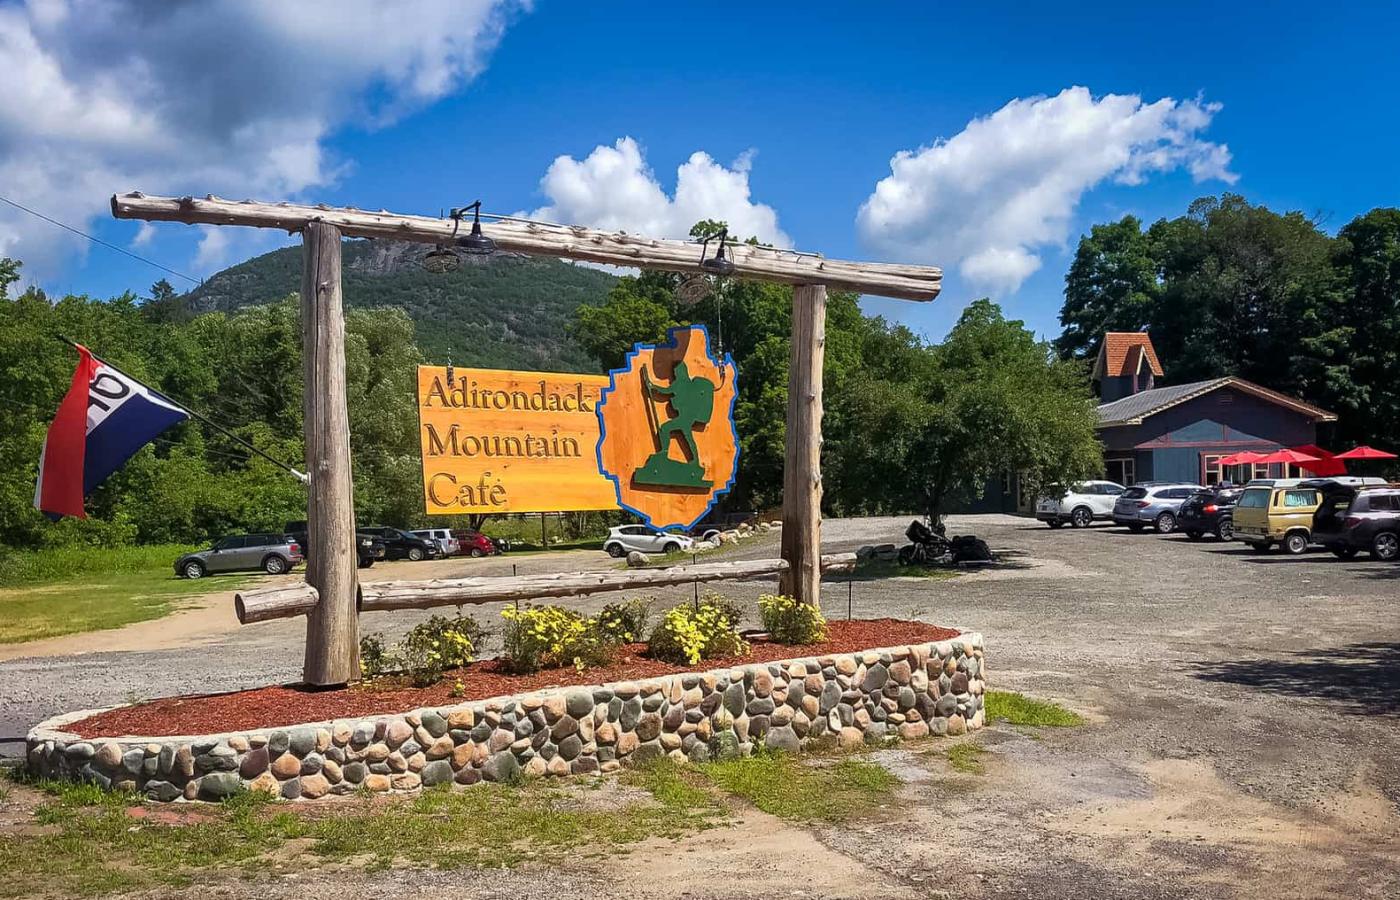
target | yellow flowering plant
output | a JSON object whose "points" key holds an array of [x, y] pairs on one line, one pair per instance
{"points": [[546, 637], [689, 633], [791, 622], [433, 647]]}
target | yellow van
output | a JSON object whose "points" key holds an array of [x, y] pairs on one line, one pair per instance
{"points": [[1276, 512]]}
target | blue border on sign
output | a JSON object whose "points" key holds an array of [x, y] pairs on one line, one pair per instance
{"points": [[671, 341]]}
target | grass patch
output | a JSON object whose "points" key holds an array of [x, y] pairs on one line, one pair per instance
{"points": [[966, 758], [49, 593], [875, 569], [782, 786], [1018, 709], [94, 846]]}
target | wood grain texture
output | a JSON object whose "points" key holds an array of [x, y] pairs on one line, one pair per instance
{"points": [[524, 441], [802, 475], [907, 282], [629, 436], [263, 604], [332, 626]]}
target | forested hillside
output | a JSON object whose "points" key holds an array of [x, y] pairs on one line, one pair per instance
{"points": [[499, 311]]}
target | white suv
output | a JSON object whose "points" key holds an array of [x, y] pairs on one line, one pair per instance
{"points": [[448, 544], [644, 538], [1080, 505]]}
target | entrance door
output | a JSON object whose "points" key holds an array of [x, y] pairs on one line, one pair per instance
{"points": [[1120, 469]]}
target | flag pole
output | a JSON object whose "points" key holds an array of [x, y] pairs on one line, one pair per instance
{"points": [[299, 476]]}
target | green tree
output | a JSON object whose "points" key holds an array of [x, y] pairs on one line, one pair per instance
{"points": [[1362, 345], [1111, 286], [929, 431]]}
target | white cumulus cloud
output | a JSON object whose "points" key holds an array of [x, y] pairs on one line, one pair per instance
{"points": [[988, 199], [614, 188], [233, 97]]}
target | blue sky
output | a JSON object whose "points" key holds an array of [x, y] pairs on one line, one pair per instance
{"points": [[817, 100]]}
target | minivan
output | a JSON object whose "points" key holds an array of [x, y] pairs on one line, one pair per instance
{"points": [[447, 544], [1272, 513]]}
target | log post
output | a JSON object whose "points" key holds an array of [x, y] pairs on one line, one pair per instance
{"points": [[332, 626], [802, 474]]}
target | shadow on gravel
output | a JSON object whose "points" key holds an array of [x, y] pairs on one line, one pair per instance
{"points": [[1360, 679]]}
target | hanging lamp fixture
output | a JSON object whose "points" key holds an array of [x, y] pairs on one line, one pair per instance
{"points": [[719, 264], [443, 258]]}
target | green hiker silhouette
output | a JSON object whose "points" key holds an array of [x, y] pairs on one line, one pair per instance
{"points": [[692, 403]]}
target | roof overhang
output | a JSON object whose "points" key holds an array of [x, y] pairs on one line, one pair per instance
{"points": [[1315, 413]]}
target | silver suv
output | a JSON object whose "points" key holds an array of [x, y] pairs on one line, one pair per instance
{"points": [[625, 538], [1154, 503], [272, 553]]}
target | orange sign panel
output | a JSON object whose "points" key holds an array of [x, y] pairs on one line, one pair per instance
{"points": [[497, 441], [669, 444]]}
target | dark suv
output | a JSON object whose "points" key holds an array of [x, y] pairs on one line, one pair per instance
{"points": [[1210, 511], [368, 548], [400, 544], [1352, 519]]}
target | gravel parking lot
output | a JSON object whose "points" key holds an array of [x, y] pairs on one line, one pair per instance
{"points": [[1243, 712]]}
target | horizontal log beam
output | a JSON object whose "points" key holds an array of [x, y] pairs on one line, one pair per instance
{"points": [[288, 601], [905, 282]]}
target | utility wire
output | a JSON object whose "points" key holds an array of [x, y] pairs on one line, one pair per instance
{"points": [[98, 240]]}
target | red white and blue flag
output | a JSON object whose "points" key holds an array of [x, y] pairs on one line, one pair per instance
{"points": [[103, 420]]}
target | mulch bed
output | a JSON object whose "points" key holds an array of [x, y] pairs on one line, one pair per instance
{"points": [[283, 705]]}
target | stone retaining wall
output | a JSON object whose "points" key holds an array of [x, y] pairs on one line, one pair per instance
{"points": [[842, 700]]}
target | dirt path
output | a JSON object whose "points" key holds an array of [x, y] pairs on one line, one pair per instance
{"points": [[205, 618]]}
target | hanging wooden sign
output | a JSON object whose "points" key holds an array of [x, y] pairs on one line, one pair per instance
{"points": [[497, 441], [668, 442]]}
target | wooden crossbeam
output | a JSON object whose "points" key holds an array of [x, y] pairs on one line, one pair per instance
{"points": [[288, 601], [905, 282]]}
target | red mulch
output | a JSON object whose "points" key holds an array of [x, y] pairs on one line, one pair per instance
{"points": [[275, 707]]}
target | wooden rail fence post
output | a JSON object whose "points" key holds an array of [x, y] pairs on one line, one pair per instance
{"points": [[332, 626], [802, 473]]}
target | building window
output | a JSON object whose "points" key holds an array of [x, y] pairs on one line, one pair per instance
{"points": [[1210, 468], [1120, 469], [1261, 470]]}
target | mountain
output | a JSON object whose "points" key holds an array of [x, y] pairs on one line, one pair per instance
{"points": [[504, 310]]}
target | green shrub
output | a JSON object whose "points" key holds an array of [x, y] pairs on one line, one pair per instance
{"points": [[625, 623], [688, 634], [791, 622], [432, 647], [427, 651], [546, 637], [375, 658]]}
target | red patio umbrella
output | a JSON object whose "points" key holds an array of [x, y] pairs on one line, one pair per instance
{"points": [[1365, 452], [1288, 456], [1327, 464], [1239, 459]]}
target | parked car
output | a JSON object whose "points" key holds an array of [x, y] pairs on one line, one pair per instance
{"points": [[1080, 504], [1277, 512], [1351, 519], [1154, 503], [712, 525], [1210, 511], [625, 538], [474, 543], [447, 544], [368, 548], [273, 553], [400, 544]]}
